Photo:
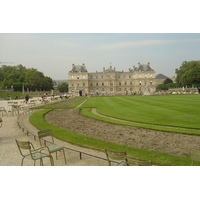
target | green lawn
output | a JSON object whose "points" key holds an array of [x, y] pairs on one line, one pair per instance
{"points": [[177, 111]]}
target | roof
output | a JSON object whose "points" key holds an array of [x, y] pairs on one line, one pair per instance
{"points": [[78, 68], [109, 70], [161, 76], [142, 67]]}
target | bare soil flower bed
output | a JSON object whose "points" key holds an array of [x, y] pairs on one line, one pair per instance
{"points": [[171, 143]]}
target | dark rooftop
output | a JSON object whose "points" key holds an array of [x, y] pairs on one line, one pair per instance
{"points": [[161, 76]]}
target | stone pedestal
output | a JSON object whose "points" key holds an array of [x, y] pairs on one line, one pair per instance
{"points": [[146, 92]]}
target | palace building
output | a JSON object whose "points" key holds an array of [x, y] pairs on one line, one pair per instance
{"points": [[110, 81]]}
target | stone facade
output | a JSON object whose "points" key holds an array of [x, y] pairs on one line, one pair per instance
{"points": [[110, 81]]}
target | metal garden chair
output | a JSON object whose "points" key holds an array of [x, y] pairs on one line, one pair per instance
{"points": [[53, 147], [28, 151], [133, 162], [194, 156], [116, 155], [2, 111]]}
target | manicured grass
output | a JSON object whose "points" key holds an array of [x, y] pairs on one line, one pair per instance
{"points": [[88, 113], [176, 111], [20, 95], [3, 95], [61, 105]]}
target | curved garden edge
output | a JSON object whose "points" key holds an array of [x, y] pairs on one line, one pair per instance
{"points": [[180, 130], [37, 119]]}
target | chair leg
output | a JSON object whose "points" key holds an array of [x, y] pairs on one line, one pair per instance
{"points": [[64, 156], [41, 162], [51, 160], [22, 162]]}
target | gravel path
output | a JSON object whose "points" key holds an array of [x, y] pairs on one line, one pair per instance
{"points": [[10, 156]]}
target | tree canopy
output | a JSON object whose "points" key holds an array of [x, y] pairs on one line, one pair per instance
{"points": [[19, 76], [63, 87], [189, 73]]}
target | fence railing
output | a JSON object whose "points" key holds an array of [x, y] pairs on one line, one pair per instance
{"points": [[35, 136]]}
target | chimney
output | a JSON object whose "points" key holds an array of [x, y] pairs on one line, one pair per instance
{"points": [[139, 64], [148, 64]]}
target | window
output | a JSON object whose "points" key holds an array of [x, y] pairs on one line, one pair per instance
{"points": [[111, 83], [102, 84], [77, 77], [131, 83], [83, 84], [90, 84], [120, 83], [96, 84]]}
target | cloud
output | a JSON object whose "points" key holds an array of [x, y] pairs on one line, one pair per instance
{"points": [[141, 43], [133, 44]]}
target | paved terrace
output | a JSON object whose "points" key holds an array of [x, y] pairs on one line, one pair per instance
{"points": [[9, 153]]}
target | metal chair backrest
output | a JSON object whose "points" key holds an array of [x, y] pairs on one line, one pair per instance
{"points": [[2, 109], [45, 133], [115, 155], [26, 145], [133, 162], [195, 156]]}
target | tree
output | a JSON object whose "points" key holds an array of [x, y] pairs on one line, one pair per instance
{"points": [[188, 73], [17, 76], [63, 87], [167, 86]]}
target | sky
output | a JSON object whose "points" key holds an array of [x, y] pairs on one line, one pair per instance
{"points": [[54, 53]]}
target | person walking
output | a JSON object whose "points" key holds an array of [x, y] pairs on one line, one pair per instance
{"points": [[27, 98], [1, 120]]}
